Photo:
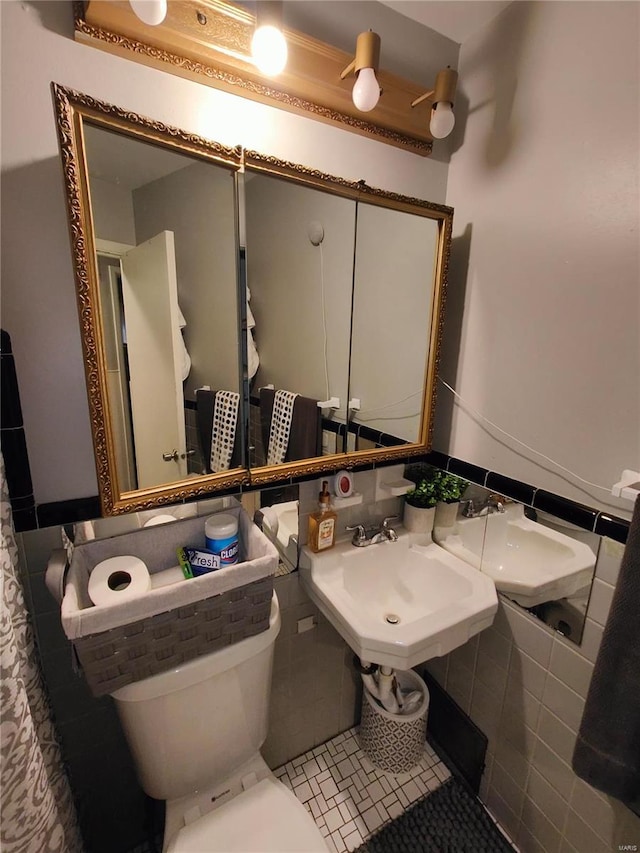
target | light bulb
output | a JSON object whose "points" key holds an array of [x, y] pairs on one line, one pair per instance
{"points": [[366, 90], [152, 12], [269, 50], [442, 120]]}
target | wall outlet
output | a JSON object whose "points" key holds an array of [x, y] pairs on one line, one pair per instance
{"points": [[306, 624]]}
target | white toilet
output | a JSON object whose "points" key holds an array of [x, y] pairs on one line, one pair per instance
{"points": [[195, 733]]}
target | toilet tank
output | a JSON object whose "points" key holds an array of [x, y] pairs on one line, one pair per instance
{"points": [[193, 726]]}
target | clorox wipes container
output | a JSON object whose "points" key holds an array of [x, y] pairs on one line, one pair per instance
{"points": [[221, 532]]}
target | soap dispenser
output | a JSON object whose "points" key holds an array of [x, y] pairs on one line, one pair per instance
{"points": [[322, 523]]}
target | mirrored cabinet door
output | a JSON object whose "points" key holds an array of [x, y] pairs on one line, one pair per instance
{"points": [[299, 270], [165, 240], [394, 285], [243, 319]]}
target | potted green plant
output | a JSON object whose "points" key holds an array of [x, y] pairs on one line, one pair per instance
{"points": [[450, 490], [420, 502]]}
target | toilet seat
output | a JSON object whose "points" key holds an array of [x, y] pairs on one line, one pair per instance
{"points": [[267, 818]]}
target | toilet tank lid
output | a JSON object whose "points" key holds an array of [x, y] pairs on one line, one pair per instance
{"points": [[194, 671], [267, 817]]}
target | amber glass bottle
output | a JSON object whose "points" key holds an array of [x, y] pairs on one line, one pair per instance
{"points": [[322, 523]]}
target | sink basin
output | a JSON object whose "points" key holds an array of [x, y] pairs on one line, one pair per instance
{"points": [[528, 562], [399, 603]]}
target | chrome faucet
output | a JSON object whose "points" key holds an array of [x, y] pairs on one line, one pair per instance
{"points": [[493, 503], [364, 536]]}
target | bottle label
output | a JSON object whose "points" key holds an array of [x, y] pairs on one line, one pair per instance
{"points": [[198, 561], [227, 549], [325, 533]]}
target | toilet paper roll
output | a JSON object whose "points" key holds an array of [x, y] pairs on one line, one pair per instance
{"points": [[118, 579], [270, 519], [159, 519], [55, 574]]}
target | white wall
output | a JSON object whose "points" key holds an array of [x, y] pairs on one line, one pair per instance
{"points": [[545, 179], [38, 293]]}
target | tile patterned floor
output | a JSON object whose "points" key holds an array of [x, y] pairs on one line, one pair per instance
{"points": [[348, 797]]}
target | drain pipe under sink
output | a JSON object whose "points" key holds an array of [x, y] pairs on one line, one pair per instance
{"points": [[384, 688]]}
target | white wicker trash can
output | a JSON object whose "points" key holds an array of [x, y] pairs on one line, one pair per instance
{"points": [[394, 742]]}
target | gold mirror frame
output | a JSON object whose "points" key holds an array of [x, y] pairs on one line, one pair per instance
{"points": [[72, 108]]}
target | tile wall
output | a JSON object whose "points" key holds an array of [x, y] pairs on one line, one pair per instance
{"points": [[525, 686], [315, 692], [366, 512], [13, 441]]}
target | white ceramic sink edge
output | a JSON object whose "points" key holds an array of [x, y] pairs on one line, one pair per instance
{"points": [[440, 601]]}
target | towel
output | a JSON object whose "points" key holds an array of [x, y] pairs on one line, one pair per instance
{"points": [[253, 358], [184, 355], [223, 432], [607, 751], [305, 432], [205, 407], [280, 426]]}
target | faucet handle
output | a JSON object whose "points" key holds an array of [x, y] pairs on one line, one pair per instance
{"points": [[387, 531], [360, 535], [468, 508], [496, 500]]}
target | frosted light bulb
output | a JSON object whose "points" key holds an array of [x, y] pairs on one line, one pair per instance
{"points": [[366, 90], [152, 12], [269, 50], [442, 120]]}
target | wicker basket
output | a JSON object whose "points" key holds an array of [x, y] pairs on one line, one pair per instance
{"points": [[132, 640]]}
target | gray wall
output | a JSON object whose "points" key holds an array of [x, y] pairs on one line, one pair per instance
{"points": [[112, 209], [197, 204], [287, 275]]}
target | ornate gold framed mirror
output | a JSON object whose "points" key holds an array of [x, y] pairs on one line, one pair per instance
{"points": [[244, 320]]}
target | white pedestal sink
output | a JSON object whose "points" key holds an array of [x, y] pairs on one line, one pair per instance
{"points": [[399, 603], [528, 562]]}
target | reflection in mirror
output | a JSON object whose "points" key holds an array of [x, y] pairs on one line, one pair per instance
{"points": [[392, 307], [104, 528], [164, 231], [161, 292], [540, 562], [300, 245], [567, 614], [275, 511]]}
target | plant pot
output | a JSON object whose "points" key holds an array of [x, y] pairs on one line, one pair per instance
{"points": [[417, 519], [446, 514]]}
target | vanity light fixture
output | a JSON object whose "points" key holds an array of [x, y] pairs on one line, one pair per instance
{"points": [[366, 90], [152, 12], [268, 45], [442, 97]]}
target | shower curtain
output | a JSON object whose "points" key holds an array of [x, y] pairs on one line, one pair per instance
{"points": [[37, 811]]}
